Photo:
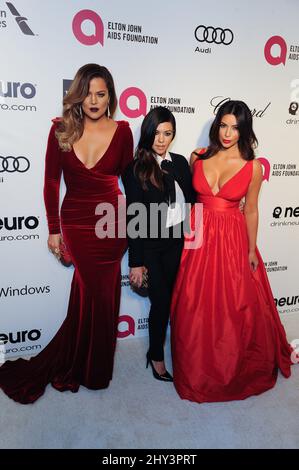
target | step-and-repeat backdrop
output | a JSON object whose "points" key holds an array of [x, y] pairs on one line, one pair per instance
{"points": [[190, 56]]}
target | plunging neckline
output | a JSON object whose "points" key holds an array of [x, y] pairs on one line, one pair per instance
{"points": [[228, 181], [100, 159]]}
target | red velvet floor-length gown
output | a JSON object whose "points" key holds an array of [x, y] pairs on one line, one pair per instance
{"points": [[82, 351], [227, 339]]}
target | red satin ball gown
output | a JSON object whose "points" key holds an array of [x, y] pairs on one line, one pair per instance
{"points": [[227, 339], [82, 351]]}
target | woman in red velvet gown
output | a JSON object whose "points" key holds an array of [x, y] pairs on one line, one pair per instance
{"points": [[227, 339], [91, 150]]}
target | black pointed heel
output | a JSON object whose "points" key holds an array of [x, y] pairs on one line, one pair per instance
{"points": [[166, 377]]}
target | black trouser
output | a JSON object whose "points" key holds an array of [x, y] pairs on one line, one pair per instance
{"points": [[162, 263]]}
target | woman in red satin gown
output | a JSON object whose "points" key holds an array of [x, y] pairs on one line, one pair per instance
{"points": [[92, 151], [227, 339]]}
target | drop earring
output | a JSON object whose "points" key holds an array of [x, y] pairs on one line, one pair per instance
{"points": [[80, 112], [108, 111]]}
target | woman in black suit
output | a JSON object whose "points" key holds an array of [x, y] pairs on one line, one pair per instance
{"points": [[157, 179]]}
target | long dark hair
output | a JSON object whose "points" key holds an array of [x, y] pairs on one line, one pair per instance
{"points": [[146, 168], [71, 126], [247, 140]]}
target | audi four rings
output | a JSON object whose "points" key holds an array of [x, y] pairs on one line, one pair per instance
{"points": [[217, 35], [14, 164]]}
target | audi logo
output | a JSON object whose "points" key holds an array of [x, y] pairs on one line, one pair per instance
{"points": [[14, 164], [217, 35]]}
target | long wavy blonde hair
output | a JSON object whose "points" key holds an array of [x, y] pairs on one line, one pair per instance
{"points": [[70, 128]]}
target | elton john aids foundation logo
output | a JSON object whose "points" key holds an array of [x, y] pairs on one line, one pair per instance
{"points": [[133, 102], [89, 29], [280, 58], [86, 19], [276, 51], [266, 167], [126, 326]]}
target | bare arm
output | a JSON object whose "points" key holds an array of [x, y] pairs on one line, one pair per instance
{"points": [[251, 211]]}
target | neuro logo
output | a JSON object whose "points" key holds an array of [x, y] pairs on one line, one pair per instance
{"points": [[282, 55], [96, 20], [20, 336], [13, 89], [130, 326], [288, 212], [287, 301], [277, 212], [21, 20], [293, 108], [135, 112], [19, 223], [266, 167]]}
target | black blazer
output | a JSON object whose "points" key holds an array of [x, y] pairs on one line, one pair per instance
{"points": [[135, 193]]}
